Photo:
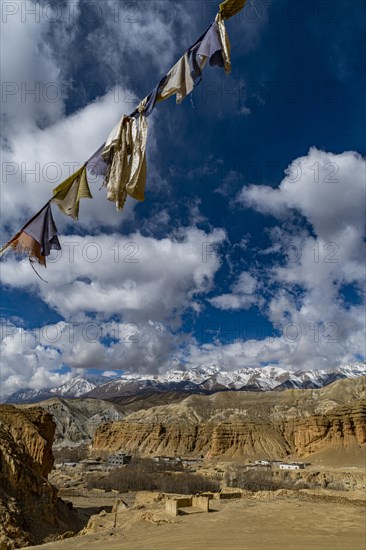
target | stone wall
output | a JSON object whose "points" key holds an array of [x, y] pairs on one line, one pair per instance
{"points": [[172, 505]]}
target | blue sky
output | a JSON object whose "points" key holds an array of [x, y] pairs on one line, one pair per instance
{"points": [[249, 247]]}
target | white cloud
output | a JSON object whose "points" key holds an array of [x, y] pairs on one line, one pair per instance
{"points": [[149, 297], [147, 30], [328, 189], [139, 278], [26, 362], [297, 347], [304, 283], [32, 358], [299, 292], [29, 72], [228, 183], [243, 296], [136, 347]]}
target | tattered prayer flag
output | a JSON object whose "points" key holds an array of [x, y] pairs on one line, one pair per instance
{"points": [[24, 244], [231, 7], [68, 194], [179, 81], [125, 152], [37, 238], [96, 164]]}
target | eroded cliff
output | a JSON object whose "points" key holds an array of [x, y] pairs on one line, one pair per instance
{"points": [[243, 424], [29, 505]]}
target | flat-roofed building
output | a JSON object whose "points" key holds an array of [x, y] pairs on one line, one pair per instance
{"points": [[119, 459], [293, 466]]}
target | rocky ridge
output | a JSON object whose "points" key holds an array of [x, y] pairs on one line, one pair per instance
{"points": [[29, 506], [77, 419]]}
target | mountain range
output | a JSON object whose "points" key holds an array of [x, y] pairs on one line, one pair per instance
{"points": [[324, 424], [201, 379]]}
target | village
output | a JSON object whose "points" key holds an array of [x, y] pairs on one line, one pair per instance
{"points": [[120, 459]]}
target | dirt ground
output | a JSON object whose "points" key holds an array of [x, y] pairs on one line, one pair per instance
{"points": [[263, 524]]}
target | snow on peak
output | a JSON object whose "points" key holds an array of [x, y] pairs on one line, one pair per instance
{"points": [[200, 378]]}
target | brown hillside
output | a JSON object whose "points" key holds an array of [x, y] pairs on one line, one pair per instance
{"points": [[29, 506], [245, 424]]}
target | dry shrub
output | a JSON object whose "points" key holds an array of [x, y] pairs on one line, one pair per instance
{"points": [[147, 475], [260, 479], [70, 454]]}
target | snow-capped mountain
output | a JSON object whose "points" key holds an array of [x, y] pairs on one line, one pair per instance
{"points": [[201, 379], [211, 379], [76, 387]]}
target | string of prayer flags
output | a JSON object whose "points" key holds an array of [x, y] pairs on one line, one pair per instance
{"points": [[121, 160], [214, 46], [37, 238], [68, 194]]}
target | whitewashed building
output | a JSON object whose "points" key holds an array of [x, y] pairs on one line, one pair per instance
{"points": [[294, 466]]}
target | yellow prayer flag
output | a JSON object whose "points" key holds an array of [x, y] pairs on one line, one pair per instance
{"points": [[231, 7], [68, 194]]}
